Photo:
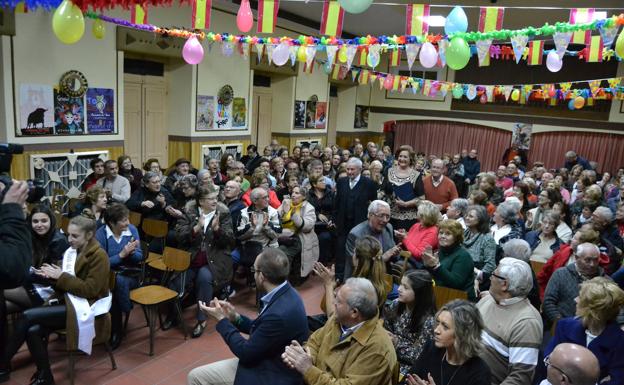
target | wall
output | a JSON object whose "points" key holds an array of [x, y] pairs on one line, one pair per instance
{"points": [[180, 100], [283, 101]]}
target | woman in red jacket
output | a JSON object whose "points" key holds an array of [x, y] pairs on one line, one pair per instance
{"points": [[260, 179], [424, 233]]}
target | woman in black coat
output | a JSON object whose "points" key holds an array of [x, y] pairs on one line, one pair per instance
{"points": [[322, 198]]}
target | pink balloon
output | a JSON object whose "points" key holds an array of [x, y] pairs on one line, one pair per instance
{"points": [[553, 62], [244, 17], [281, 54], [388, 82], [193, 52], [428, 56]]}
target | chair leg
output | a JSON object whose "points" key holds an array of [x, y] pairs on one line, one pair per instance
{"points": [[179, 311], [70, 367], [150, 320], [125, 326], [110, 354]]}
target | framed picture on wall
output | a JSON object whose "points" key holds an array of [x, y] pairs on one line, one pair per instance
{"points": [[36, 110], [239, 113], [361, 117], [321, 115], [300, 112], [205, 113], [418, 71], [310, 114]]}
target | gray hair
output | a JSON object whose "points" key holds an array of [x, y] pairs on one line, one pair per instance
{"points": [[468, 327], [605, 213], [518, 275], [508, 212], [255, 193], [553, 216], [313, 163], [201, 173], [570, 154], [353, 161], [518, 249], [461, 205], [362, 296], [374, 206], [588, 248]]}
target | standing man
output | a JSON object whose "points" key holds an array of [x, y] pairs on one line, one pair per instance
{"points": [[117, 187], [282, 319], [572, 159], [472, 166], [353, 195], [439, 189]]}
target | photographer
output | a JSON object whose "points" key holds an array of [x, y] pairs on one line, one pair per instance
{"points": [[15, 242]]}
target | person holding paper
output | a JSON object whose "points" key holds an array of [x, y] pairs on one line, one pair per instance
{"points": [[405, 184]]}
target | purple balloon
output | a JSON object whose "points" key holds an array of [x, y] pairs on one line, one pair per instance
{"points": [[428, 56], [193, 52], [553, 62]]}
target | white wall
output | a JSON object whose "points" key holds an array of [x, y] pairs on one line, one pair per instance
{"points": [[181, 100], [282, 104]]}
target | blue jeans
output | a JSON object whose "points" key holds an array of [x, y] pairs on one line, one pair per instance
{"points": [[202, 277]]}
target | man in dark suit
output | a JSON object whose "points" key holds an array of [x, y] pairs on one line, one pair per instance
{"points": [[353, 195], [282, 319]]}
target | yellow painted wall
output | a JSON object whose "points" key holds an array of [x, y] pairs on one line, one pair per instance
{"points": [[193, 150]]}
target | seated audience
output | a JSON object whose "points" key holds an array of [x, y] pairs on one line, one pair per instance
{"points": [[152, 199], [214, 172], [182, 168], [259, 179], [564, 232], [117, 187], [231, 198], [423, 234], [506, 226], [457, 211], [184, 193], [544, 242], [545, 202], [97, 172], [520, 249], [611, 242], [153, 165], [96, 201], [128, 171], [259, 226], [480, 244], [571, 364]]}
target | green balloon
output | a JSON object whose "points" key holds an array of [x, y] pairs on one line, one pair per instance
{"points": [[457, 53], [68, 22], [458, 92], [619, 45]]}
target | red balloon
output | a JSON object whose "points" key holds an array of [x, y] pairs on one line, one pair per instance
{"points": [[483, 99]]}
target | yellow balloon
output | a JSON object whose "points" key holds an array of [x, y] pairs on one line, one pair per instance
{"points": [[579, 102], [515, 95], [301, 54], [98, 29], [342, 54], [619, 45], [68, 22]]}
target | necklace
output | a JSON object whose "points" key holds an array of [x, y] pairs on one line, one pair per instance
{"points": [[442, 372]]}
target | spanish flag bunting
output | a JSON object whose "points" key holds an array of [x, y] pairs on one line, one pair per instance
{"points": [[589, 102], [201, 14], [594, 49], [396, 82], [138, 14], [395, 57], [364, 77], [363, 57], [336, 71], [21, 7], [308, 68], [267, 15], [579, 16], [594, 86], [416, 19], [426, 87], [491, 19], [331, 22], [536, 52]]}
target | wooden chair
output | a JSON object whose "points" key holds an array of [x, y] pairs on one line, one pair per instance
{"points": [[406, 255], [154, 229], [152, 296], [135, 218], [537, 266], [446, 294]]}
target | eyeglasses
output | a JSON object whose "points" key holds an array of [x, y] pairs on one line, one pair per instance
{"points": [[382, 216], [547, 364], [499, 277]]}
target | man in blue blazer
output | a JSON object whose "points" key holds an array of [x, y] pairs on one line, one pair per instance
{"points": [[282, 319]]}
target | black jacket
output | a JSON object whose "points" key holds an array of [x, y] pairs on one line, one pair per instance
{"points": [[156, 212], [15, 246], [363, 193]]}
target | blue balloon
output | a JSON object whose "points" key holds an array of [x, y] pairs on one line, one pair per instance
{"points": [[571, 105], [456, 21]]}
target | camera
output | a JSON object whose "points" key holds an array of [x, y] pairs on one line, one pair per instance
{"points": [[35, 187]]}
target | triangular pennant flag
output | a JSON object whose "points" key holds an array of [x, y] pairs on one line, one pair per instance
{"points": [[335, 71], [442, 46], [433, 90], [373, 77], [580, 16], [351, 51], [396, 83], [244, 50], [364, 77], [270, 48], [403, 83], [260, 52], [561, 40], [138, 14], [608, 34], [536, 52], [201, 14], [444, 89], [411, 51], [416, 19], [72, 159], [292, 52], [483, 52], [395, 57], [491, 19], [426, 87], [21, 7], [614, 82], [331, 52], [363, 56], [507, 92], [267, 15], [310, 52], [354, 74], [594, 50], [382, 80], [331, 21], [594, 86], [308, 68], [373, 51], [518, 42], [489, 93]]}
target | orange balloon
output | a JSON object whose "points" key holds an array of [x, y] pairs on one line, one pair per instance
{"points": [[579, 102]]}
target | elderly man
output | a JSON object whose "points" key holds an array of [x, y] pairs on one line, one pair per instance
{"points": [[520, 249], [315, 167], [117, 187], [215, 173], [353, 195], [611, 242], [282, 319], [231, 197], [352, 347], [259, 226], [472, 166], [377, 226], [439, 189], [571, 364], [513, 328], [572, 159], [563, 287]]}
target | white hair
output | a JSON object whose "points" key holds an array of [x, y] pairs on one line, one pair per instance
{"points": [[518, 249], [604, 212], [587, 248], [518, 275], [374, 206], [353, 161], [362, 296]]}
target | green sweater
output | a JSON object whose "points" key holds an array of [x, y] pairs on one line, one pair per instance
{"points": [[456, 270]]}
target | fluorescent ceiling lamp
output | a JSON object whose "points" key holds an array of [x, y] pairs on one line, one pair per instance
{"points": [[600, 15], [435, 21]]}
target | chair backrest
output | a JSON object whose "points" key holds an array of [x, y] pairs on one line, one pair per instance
{"points": [[388, 282], [446, 294], [135, 218], [155, 228], [406, 255], [176, 259], [537, 266]]}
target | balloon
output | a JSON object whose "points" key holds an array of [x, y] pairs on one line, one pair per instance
{"points": [[372, 59], [355, 6], [342, 54], [579, 102], [301, 54], [388, 82], [244, 17], [552, 92], [571, 104], [327, 67], [193, 52], [456, 21], [619, 45], [483, 99], [515, 95], [553, 62], [98, 29], [68, 22], [428, 56], [458, 92], [471, 93], [281, 54], [457, 53]]}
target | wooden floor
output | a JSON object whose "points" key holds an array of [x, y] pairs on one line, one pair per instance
{"points": [[173, 359]]}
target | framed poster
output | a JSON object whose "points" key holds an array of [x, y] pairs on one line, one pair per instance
{"points": [[100, 111], [361, 117], [320, 120], [205, 113], [36, 110], [239, 113], [68, 114], [310, 114], [223, 116], [521, 135], [300, 110]]}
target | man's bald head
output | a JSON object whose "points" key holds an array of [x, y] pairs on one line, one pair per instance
{"points": [[573, 364]]}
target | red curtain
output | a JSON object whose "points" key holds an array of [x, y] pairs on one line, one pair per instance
{"points": [[441, 136]]}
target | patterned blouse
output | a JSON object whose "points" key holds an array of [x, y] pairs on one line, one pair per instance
{"points": [[415, 179], [409, 345]]}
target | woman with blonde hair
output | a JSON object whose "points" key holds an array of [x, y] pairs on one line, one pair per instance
{"points": [[424, 233], [599, 303]]}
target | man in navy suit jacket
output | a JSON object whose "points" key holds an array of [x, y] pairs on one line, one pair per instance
{"points": [[282, 319]]}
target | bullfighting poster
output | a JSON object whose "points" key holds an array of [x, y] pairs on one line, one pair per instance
{"points": [[100, 111], [36, 109], [68, 114]]}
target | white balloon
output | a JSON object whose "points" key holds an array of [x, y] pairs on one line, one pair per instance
{"points": [[428, 56], [281, 54], [553, 62]]}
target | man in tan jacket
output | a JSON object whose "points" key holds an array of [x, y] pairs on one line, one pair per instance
{"points": [[352, 347]]}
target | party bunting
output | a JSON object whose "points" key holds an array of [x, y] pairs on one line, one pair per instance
{"points": [[333, 15], [594, 50], [21, 7], [331, 52], [491, 19], [536, 52], [608, 34], [396, 82], [364, 77], [354, 74], [138, 14], [267, 15], [442, 46], [308, 68], [201, 14], [518, 43], [411, 51], [351, 51], [395, 58], [483, 52], [562, 40], [581, 15], [416, 19], [310, 53], [363, 56], [259, 51]]}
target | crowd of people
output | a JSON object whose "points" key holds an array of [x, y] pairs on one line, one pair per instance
{"points": [[533, 250]]}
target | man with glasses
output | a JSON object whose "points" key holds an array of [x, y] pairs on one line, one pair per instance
{"points": [[571, 364], [512, 333]]}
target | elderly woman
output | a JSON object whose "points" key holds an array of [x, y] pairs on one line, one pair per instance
{"points": [[544, 242], [298, 239], [545, 201], [128, 171], [455, 171], [457, 211], [404, 188], [259, 178], [506, 225], [423, 234], [564, 232], [153, 165], [479, 197], [322, 198], [452, 265], [152, 199], [455, 349], [599, 302], [522, 192], [278, 170], [487, 184], [480, 243]]}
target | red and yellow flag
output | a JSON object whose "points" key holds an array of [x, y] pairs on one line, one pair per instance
{"points": [[331, 22], [201, 14], [396, 83], [138, 14], [536, 52], [395, 58], [336, 71], [416, 19], [491, 19], [267, 15], [21, 7], [364, 77], [579, 16], [594, 49], [308, 69], [363, 57]]}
